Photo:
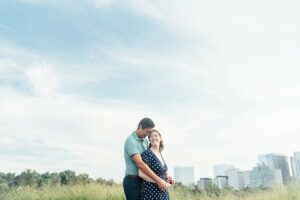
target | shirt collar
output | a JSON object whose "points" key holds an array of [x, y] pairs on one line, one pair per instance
{"points": [[137, 137]]}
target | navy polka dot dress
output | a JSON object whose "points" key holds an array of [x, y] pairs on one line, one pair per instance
{"points": [[151, 191]]}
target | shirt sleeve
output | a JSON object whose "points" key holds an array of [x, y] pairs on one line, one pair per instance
{"points": [[131, 147]]}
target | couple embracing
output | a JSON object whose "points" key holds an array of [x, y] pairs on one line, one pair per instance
{"points": [[146, 174]]}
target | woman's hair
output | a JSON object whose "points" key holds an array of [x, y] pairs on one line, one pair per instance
{"points": [[161, 144]]}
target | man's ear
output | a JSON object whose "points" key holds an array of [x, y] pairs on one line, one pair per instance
{"points": [[140, 127]]}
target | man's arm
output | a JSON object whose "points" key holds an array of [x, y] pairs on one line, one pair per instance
{"points": [[147, 171], [145, 177]]}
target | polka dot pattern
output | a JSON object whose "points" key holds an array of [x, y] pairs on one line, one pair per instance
{"points": [[151, 191]]}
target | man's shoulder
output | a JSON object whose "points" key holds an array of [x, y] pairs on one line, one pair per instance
{"points": [[130, 138]]}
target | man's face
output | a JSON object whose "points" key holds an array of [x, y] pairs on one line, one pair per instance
{"points": [[146, 131]]}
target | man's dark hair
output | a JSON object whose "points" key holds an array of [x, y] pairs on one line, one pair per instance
{"points": [[146, 123]]}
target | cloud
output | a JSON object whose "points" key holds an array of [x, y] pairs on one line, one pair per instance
{"points": [[99, 3], [220, 79], [83, 131], [42, 79], [51, 131]]}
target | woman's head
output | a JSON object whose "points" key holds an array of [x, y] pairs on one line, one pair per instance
{"points": [[156, 140]]}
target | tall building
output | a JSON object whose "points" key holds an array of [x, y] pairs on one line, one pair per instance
{"points": [[235, 179], [184, 175], [263, 176], [221, 182], [295, 162], [221, 170], [203, 183], [276, 161], [247, 175], [277, 177]]}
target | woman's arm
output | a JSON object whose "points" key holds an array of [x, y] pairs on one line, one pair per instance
{"points": [[145, 177]]}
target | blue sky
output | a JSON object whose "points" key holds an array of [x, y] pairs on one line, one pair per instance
{"points": [[219, 78]]}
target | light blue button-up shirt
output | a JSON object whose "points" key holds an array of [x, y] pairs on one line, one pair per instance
{"points": [[133, 145]]}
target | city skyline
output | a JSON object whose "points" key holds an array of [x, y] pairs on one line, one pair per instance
{"points": [[272, 169], [219, 79]]}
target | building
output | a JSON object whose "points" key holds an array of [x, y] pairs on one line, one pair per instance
{"points": [[295, 163], [235, 179], [221, 182], [263, 176], [247, 175], [276, 161], [203, 183], [184, 175], [277, 177], [259, 176], [221, 170]]}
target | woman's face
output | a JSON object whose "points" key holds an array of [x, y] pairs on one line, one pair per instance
{"points": [[154, 138]]}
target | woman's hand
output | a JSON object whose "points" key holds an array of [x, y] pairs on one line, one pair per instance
{"points": [[170, 180]]}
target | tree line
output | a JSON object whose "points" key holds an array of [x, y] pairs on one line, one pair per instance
{"points": [[32, 178]]}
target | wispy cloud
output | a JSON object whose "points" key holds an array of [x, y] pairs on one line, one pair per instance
{"points": [[219, 78]]}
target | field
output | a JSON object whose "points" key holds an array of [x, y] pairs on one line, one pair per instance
{"points": [[115, 192]]}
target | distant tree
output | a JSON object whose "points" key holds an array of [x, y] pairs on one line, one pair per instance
{"points": [[67, 177], [110, 182], [44, 179], [212, 189], [2, 178], [55, 179], [179, 185], [8, 178], [84, 179], [101, 181], [3, 188], [195, 189], [32, 178], [28, 177]]}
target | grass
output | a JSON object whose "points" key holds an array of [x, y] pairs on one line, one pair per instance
{"points": [[103, 192], [76, 192]]}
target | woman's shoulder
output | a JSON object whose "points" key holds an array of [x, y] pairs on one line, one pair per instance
{"points": [[147, 152]]}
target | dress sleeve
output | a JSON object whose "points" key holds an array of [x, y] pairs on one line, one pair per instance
{"points": [[146, 157]]}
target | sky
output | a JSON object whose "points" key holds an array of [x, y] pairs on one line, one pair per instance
{"points": [[220, 79]]}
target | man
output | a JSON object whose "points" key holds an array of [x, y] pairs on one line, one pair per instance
{"points": [[135, 145]]}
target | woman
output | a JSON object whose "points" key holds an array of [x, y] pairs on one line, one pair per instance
{"points": [[153, 158]]}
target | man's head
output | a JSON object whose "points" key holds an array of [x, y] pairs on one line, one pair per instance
{"points": [[145, 127]]}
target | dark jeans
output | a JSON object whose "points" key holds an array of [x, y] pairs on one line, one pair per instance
{"points": [[132, 187]]}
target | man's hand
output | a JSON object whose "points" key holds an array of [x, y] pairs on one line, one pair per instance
{"points": [[163, 185]]}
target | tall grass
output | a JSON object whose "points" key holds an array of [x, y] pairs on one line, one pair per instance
{"points": [[115, 192], [75, 192]]}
